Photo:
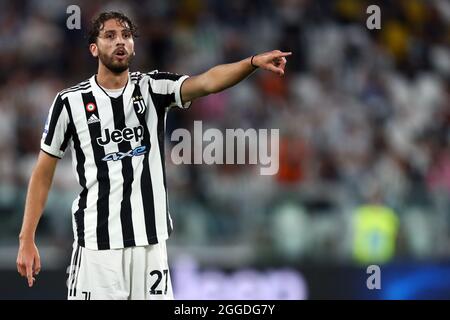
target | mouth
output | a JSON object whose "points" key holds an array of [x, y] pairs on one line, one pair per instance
{"points": [[120, 53]]}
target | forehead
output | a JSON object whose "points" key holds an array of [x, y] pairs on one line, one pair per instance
{"points": [[114, 24]]}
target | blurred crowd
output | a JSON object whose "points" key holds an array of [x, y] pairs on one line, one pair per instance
{"points": [[364, 119]]}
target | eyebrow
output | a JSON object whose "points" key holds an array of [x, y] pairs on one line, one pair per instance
{"points": [[114, 31]]}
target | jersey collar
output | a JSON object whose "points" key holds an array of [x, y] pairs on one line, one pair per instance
{"points": [[98, 90]]}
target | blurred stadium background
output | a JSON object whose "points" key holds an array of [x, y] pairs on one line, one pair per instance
{"points": [[364, 119]]}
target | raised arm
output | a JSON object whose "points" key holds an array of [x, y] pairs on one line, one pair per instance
{"points": [[28, 260], [224, 76]]}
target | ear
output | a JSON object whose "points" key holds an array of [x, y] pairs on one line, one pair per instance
{"points": [[93, 49]]}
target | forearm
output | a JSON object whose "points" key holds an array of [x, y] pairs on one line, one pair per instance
{"points": [[216, 79], [37, 194], [224, 76]]}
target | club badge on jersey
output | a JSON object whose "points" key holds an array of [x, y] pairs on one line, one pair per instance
{"points": [[139, 104]]}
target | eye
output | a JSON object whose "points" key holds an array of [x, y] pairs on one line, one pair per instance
{"points": [[109, 36], [127, 35]]}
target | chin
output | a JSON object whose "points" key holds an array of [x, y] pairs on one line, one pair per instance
{"points": [[118, 68]]}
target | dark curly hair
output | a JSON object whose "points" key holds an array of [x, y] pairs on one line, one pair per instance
{"points": [[98, 22]]}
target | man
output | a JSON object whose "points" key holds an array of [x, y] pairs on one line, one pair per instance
{"points": [[114, 123]]}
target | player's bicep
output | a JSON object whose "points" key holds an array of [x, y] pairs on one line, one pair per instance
{"points": [[194, 87], [45, 168]]}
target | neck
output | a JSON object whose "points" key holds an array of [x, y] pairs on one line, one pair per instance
{"points": [[110, 80]]}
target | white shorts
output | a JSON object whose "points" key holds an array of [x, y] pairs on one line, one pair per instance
{"points": [[136, 273]]}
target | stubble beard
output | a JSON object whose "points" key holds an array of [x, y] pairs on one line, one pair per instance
{"points": [[112, 64]]}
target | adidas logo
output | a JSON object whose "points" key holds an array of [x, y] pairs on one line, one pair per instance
{"points": [[93, 119]]}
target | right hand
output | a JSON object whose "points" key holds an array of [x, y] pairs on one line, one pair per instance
{"points": [[274, 61], [28, 261]]}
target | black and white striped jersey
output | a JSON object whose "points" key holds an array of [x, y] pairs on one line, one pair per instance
{"points": [[117, 147]]}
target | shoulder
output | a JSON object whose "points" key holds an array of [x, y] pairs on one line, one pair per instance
{"points": [[84, 85], [138, 77]]}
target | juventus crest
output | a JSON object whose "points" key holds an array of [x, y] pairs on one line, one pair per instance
{"points": [[139, 104]]}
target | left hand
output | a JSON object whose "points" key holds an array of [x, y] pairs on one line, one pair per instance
{"points": [[274, 61]]}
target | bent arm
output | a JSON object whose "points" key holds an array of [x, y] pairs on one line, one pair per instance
{"points": [[224, 76]]}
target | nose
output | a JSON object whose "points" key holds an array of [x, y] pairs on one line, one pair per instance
{"points": [[120, 41]]}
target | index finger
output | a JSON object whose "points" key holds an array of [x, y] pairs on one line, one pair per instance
{"points": [[37, 265], [30, 275], [283, 54]]}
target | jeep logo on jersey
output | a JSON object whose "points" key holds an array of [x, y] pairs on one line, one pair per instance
{"points": [[118, 136]]}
